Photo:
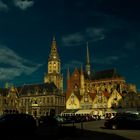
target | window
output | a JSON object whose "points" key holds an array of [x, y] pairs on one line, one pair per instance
{"points": [[43, 100], [48, 100], [51, 100], [90, 106], [82, 106]]}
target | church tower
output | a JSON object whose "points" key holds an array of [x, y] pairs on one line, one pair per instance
{"points": [[54, 67], [88, 68]]}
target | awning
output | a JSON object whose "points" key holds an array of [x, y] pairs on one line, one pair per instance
{"points": [[84, 111], [69, 111]]}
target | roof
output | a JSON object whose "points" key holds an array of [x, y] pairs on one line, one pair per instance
{"points": [[110, 73], [41, 89], [104, 74], [86, 111], [70, 111]]}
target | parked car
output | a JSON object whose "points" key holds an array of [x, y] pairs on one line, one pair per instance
{"points": [[17, 123], [47, 121], [124, 121]]}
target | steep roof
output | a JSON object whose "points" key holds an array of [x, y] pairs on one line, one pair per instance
{"points": [[41, 89], [110, 73], [99, 75]]}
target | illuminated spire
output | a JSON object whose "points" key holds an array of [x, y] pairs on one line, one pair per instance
{"points": [[54, 38], [53, 47], [88, 62], [87, 54], [54, 53]]}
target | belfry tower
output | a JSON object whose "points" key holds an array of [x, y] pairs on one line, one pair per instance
{"points": [[54, 67]]}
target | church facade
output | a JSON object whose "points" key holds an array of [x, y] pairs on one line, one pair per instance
{"points": [[37, 99], [99, 91], [87, 91]]}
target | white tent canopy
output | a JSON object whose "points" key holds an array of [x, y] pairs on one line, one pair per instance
{"points": [[82, 111]]}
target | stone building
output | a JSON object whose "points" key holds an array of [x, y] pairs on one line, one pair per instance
{"points": [[99, 91], [37, 99]]}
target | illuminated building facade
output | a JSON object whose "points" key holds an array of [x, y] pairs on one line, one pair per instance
{"points": [[37, 99], [99, 91]]}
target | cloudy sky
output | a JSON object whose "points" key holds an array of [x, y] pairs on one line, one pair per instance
{"points": [[111, 27]]}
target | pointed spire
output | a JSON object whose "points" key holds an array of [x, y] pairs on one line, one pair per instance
{"points": [[54, 53], [6, 85], [54, 38], [88, 61], [53, 47]]}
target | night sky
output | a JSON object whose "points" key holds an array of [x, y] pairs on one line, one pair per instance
{"points": [[27, 27]]}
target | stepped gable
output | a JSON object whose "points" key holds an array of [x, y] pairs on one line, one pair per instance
{"points": [[48, 88], [76, 93]]}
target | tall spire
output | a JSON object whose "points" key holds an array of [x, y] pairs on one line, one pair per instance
{"points": [[54, 38], [54, 67], [88, 62], [54, 53]]}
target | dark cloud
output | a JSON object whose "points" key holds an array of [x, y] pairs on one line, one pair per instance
{"points": [[125, 9], [110, 26], [3, 6]]}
